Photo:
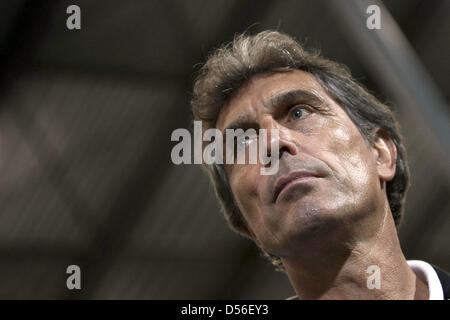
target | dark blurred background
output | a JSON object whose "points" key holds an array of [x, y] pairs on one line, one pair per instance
{"points": [[85, 123]]}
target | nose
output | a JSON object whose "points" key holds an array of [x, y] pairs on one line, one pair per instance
{"points": [[284, 137]]}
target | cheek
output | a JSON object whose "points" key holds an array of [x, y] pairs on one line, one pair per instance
{"points": [[244, 183], [348, 155]]}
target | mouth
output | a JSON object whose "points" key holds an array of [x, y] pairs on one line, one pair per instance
{"points": [[285, 182]]}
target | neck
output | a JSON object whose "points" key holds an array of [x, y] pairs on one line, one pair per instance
{"points": [[343, 270]]}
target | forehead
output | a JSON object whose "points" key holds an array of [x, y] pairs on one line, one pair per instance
{"points": [[252, 98]]}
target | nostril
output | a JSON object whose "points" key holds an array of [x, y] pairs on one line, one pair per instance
{"points": [[283, 149]]}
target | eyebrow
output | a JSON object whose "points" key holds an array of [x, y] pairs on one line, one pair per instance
{"points": [[294, 96], [282, 99], [241, 122]]}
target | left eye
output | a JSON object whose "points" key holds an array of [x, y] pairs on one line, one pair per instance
{"points": [[296, 113]]}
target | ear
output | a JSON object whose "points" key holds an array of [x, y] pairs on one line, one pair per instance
{"points": [[385, 154]]}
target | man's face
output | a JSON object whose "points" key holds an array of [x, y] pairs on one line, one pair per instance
{"points": [[327, 182]]}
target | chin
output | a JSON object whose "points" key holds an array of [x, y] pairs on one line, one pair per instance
{"points": [[307, 219]]}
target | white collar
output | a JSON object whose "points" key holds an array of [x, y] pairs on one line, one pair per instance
{"points": [[428, 275]]}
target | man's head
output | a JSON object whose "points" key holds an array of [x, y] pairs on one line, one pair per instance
{"points": [[340, 151]]}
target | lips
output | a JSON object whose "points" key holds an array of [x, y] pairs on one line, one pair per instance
{"points": [[286, 180]]}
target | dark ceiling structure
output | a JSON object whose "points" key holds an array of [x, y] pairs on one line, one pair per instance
{"points": [[85, 123]]}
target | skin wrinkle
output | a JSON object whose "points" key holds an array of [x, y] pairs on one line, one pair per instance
{"points": [[328, 230], [362, 254]]}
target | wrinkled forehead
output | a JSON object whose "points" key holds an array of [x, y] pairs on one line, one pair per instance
{"points": [[263, 91]]}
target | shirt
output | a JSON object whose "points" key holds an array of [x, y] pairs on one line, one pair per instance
{"points": [[427, 274]]}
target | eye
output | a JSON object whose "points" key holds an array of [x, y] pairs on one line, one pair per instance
{"points": [[236, 147], [297, 113], [243, 142]]}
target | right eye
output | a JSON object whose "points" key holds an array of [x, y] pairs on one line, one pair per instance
{"points": [[243, 142], [240, 144]]}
